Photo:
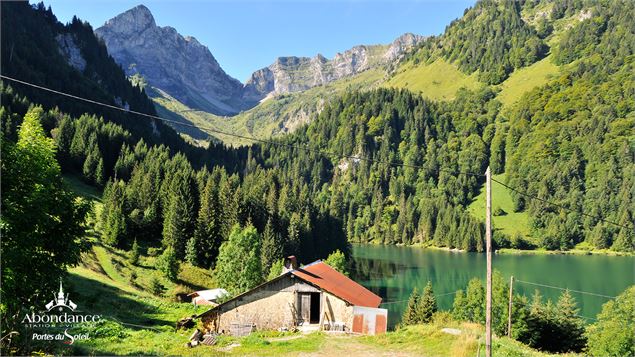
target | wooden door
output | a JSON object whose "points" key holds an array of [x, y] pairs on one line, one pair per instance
{"points": [[305, 307]]}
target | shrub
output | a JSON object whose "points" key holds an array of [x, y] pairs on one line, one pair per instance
{"points": [[134, 254], [168, 264], [156, 288], [499, 212]]}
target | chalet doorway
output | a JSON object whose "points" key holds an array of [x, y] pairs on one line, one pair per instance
{"points": [[315, 308], [309, 308]]}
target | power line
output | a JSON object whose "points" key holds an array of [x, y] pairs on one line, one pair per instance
{"points": [[435, 295], [217, 131], [523, 193], [559, 288], [303, 147]]}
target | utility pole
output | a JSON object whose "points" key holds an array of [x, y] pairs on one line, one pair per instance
{"points": [[488, 252], [509, 311]]}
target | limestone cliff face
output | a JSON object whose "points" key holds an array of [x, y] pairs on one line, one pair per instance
{"points": [[294, 74], [186, 70], [178, 65]]}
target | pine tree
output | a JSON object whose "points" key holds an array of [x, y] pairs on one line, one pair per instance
{"points": [[168, 264], [207, 233], [135, 252], [570, 325], [271, 248], [427, 305], [113, 219], [410, 315], [178, 217], [191, 251], [459, 307], [475, 301]]}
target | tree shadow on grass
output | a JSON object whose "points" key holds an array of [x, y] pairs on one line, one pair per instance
{"points": [[94, 297]]}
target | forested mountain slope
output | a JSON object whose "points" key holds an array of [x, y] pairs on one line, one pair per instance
{"points": [[568, 142], [510, 46]]}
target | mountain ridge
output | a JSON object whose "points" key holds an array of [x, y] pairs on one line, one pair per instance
{"points": [[178, 64], [187, 70]]}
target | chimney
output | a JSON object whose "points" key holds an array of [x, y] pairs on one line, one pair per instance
{"points": [[290, 263]]}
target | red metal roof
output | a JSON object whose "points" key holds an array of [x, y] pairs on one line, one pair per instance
{"points": [[338, 284]]}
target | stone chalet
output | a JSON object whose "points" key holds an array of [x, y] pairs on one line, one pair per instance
{"points": [[313, 297]]}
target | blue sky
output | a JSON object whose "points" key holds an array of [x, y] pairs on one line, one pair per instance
{"points": [[246, 35]]}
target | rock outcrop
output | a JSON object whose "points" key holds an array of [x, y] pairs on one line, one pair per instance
{"points": [[179, 65], [294, 74], [186, 70]]}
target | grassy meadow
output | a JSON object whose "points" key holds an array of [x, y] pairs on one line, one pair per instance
{"points": [[438, 80], [511, 222], [139, 321]]}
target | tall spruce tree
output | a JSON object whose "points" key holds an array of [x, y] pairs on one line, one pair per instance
{"points": [[114, 223], [427, 305], [178, 217], [272, 249], [410, 315], [208, 228]]}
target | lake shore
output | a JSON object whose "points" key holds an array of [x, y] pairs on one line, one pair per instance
{"points": [[606, 252], [513, 251]]}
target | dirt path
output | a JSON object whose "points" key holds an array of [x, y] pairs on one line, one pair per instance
{"points": [[351, 346], [285, 338]]}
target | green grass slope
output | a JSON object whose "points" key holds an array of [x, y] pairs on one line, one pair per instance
{"points": [[438, 80], [273, 116], [510, 223], [136, 321], [525, 79]]}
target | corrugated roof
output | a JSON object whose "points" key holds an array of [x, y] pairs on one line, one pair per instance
{"points": [[323, 276], [338, 284]]}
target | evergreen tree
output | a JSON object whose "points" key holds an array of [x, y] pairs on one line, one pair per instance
{"points": [[475, 301], [179, 214], [410, 315], [192, 251], [570, 325], [427, 304], [168, 264], [113, 220], [271, 248], [208, 229], [134, 254], [459, 308]]}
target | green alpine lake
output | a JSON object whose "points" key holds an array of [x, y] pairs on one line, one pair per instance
{"points": [[393, 271]]}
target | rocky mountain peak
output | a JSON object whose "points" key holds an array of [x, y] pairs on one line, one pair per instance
{"points": [[177, 65], [294, 74], [135, 20]]}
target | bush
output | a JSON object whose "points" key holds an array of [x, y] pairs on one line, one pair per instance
{"points": [[156, 288], [612, 334], [500, 240], [499, 212], [168, 264], [337, 261], [134, 254], [519, 242]]}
